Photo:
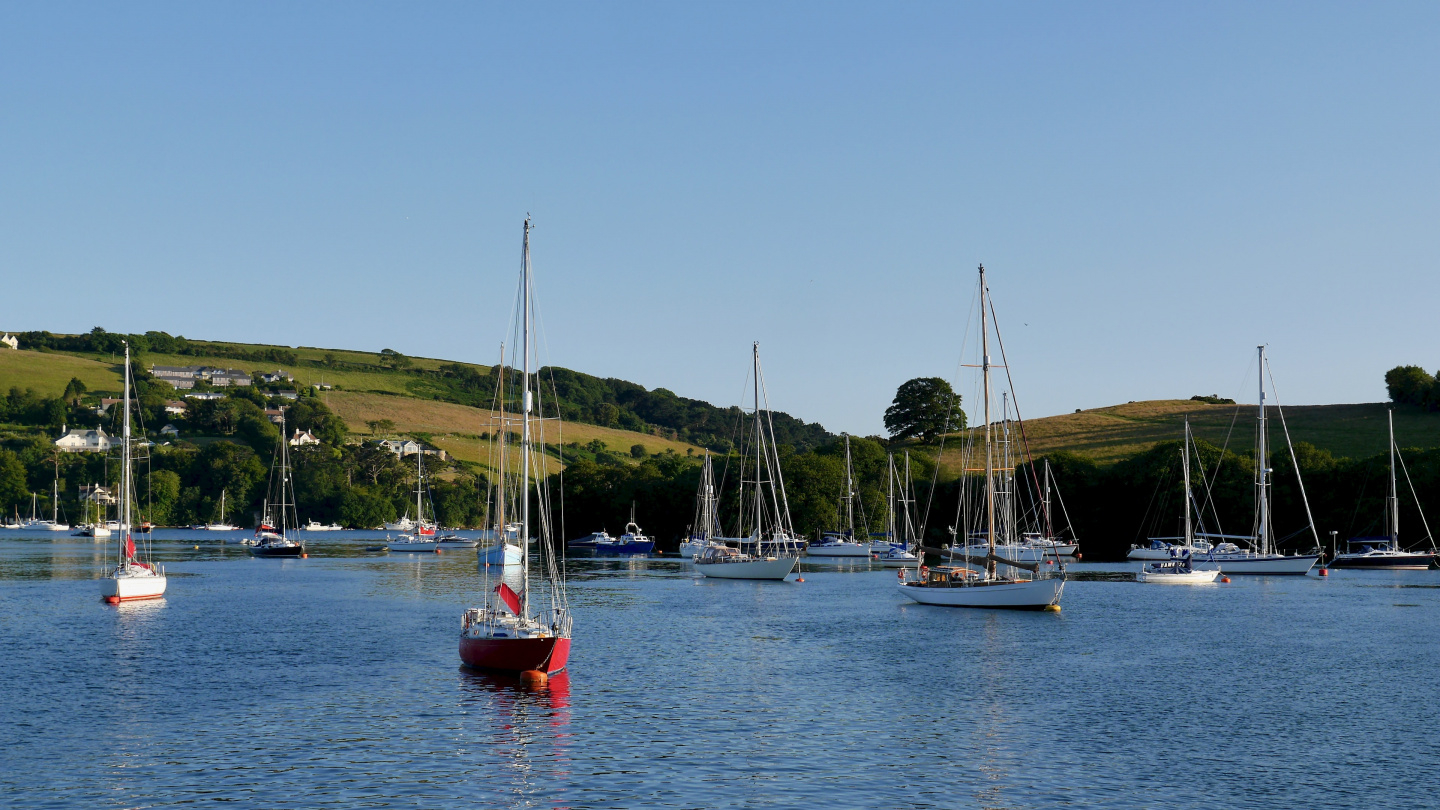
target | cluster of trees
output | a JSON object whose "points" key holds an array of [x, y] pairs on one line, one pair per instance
{"points": [[1413, 385], [99, 341]]}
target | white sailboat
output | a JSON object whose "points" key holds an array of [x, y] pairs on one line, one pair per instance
{"points": [[219, 525], [1180, 569], [135, 575], [1264, 558], [423, 538], [707, 523], [842, 544], [960, 586], [53, 524], [771, 538], [1384, 553], [900, 555]]}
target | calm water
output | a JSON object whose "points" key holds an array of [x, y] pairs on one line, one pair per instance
{"points": [[333, 681]]}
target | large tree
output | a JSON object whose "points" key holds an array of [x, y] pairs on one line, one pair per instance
{"points": [[925, 407]]}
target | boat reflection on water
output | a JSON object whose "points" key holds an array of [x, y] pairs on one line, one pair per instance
{"points": [[528, 729]]}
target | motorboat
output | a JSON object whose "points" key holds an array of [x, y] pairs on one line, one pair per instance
{"points": [[633, 541], [1178, 571], [450, 541], [410, 542], [837, 544], [316, 526], [590, 541]]}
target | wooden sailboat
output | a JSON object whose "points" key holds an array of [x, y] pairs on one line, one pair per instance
{"points": [[525, 630], [1263, 557], [1384, 553], [283, 538], [769, 551], [960, 586], [135, 575]]}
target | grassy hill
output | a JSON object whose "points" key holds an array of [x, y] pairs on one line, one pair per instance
{"points": [[1107, 435], [49, 373]]}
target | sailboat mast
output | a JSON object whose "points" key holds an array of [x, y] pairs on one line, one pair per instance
{"points": [[1049, 522], [890, 495], [1185, 464], [525, 423], [759, 446], [989, 450], [500, 486], [284, 476], [849, 491], [1262, 478], [419, 487], [1394, 509], [125, 462]]}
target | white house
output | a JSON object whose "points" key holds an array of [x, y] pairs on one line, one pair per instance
{"points": [[184, 377], [169, 430], [205, 395], [280, 375], [408, 447], [83, 441], [303, 438], [95, 493], [10, 340], [276, 415], [175, 408]]}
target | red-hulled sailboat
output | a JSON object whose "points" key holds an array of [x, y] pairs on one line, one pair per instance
{"points": [[527, 629]]}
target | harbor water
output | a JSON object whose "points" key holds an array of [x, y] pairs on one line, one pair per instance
{"points": [[334, 681]]}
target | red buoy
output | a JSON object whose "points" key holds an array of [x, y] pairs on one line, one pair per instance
{"points": [[1224, 579], [304, 556], [1324, 572], [534, 677], [1078, 555], [437, 549]]}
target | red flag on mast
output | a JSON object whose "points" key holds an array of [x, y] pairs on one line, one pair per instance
{"points": [[509, 597], [129, 547]]}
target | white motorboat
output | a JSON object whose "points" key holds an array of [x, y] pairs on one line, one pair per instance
{"points": [[315, 526], [773, 550], [1178, 571], [898, 558], [450, 541], [960, 586], [837, 545], [404, 524], [134, 575], [410, 542]]}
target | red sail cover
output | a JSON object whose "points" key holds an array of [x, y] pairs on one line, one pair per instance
{"points": [[129, 547], [427, 531], [509, 597]]}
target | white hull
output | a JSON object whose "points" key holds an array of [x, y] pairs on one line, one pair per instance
{"points": [[1261, 563], [1025, 594], [320, 527], [502, 554], [132, 583], [772, 568], [1190, 578], [47, 526], [899, 560], [413, 547], [839, 550], [218, 527]]}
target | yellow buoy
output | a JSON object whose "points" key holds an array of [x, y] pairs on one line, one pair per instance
{"points": [[1052, 608], [534, 677], [197, 548]]}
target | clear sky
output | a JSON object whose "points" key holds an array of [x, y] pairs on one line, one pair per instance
{"points": [[1155, 187]]}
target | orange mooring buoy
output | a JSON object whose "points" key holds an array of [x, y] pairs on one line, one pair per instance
{"points": [[437, 550], [1224, 579], [534, 677], [304, 556]]}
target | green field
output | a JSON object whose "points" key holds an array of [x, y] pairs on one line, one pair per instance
{"points": [[49, 373], [1107, 435]]}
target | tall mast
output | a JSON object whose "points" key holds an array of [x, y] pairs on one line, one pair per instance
{"points": [[989, 451], [1185, 464], [284, 475], [849, 491], [125, 468], [759, 444], [500, 486], [1049, 522], [890, 495], [419, 482], [907, 497], [1394, 510], [525, 422], [1262, 473]]}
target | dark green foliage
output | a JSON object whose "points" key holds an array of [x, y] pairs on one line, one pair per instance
{"points": [[638, 451], [1213, 399], [1413, 385], [924, 408]]}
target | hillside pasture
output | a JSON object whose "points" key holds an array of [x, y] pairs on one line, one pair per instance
{"points": [[48, 372]]}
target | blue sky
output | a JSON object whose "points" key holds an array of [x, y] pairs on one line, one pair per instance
{"points": [[1155, 188]]}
